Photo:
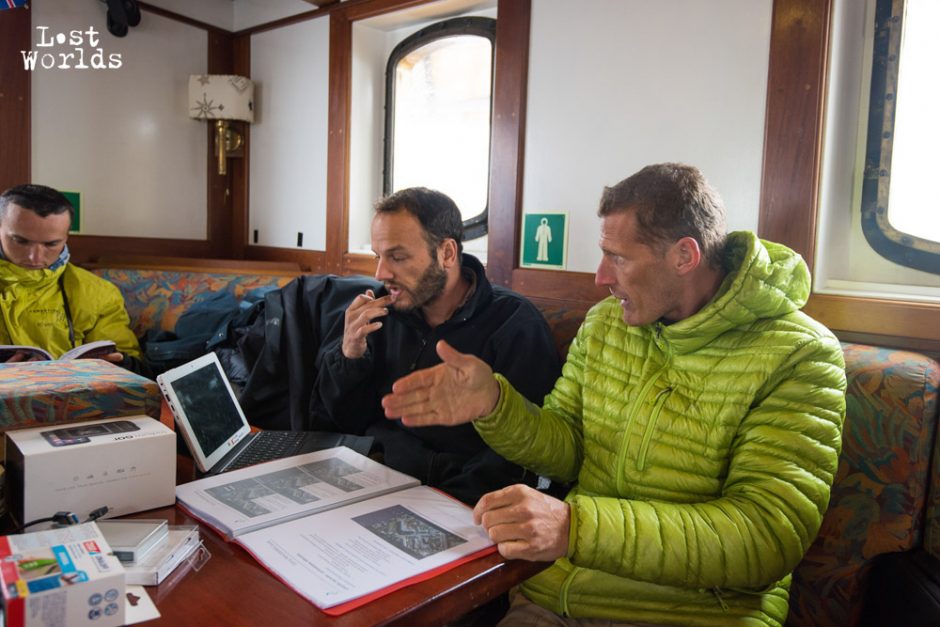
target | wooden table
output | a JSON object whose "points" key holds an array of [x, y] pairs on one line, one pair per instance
{"points": [[233, 589]]}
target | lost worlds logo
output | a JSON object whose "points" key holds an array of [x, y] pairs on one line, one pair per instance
{"points": [[78, 50]]}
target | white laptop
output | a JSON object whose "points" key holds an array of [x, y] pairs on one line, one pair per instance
{"points": [[215, 430]]}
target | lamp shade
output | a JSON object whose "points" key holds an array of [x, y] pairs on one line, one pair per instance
{"points": [[221, 97]]}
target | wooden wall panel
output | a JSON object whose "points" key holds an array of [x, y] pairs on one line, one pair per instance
{"points": [[337, 170], [899, 324], [15, 152], [507, 151], [796, 81], [219, 205], [238, 228]]}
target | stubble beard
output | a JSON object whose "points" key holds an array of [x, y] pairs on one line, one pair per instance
{"points": [[429, 288]]}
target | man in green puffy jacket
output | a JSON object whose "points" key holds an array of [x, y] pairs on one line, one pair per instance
{"points": [[699, 411], [44, 300]]}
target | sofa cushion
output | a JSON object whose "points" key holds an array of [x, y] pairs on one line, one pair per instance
{"points": [[155, 298], [879, 494]]}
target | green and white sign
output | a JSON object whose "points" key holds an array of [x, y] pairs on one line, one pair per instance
{"points": [[544, 240], [76, 199]]}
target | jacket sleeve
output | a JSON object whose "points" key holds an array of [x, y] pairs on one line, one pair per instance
{"points": [[780, 472], [552, 433], [112, 323], [345, 393]]}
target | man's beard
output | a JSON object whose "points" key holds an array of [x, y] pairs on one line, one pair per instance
{"points": [[429, 287]]}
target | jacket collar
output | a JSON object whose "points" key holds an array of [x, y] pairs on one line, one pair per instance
{"points": [[10, 273], [764, 280], [480, 295]]}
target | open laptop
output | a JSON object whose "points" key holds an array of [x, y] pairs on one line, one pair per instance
{"points": [[215, 429]]}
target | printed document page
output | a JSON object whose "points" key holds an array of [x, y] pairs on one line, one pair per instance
{"points": [[348, 552], [254, 497]]}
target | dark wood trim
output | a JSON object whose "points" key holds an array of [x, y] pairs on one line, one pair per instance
{"points": [[361, 9], [284, 21], [219, 202], [337, 147], [359, 264], [86, 247], [352, 10], [578, 286], [309, 260], [796, 89], [182, 18], [15, 99], [188, 264], [900, 323], [507, 151], [238, 233]]}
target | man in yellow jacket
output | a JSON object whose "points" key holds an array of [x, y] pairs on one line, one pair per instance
{"points": [[44, 300]]}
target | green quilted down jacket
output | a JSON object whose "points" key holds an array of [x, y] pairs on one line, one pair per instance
{"points": [[704, 451]]}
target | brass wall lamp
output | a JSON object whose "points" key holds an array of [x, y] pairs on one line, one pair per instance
{"points": [[222, 97]]}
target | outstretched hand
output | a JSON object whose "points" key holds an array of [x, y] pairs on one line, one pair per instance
{"points": [[454, 392]]}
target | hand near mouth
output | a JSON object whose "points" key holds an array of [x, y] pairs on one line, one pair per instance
{"points": [[360, 321]]}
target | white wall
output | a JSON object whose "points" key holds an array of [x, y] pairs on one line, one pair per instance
{"points": [[615, 85], [367, 123], [845, 262], [122, 137], [290, 68]]}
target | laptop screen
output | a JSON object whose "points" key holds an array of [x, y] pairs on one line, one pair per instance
{"points": [[205, 408], [204, 398]]}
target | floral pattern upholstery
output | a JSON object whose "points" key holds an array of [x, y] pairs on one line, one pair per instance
{"points": [[881, 489], [155, 299], [49, 392]]}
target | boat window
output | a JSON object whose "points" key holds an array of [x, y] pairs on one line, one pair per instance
{"points": [[438, 114], [900, 207]]}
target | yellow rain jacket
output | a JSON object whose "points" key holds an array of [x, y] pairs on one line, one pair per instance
{"points": [[33, 309]]}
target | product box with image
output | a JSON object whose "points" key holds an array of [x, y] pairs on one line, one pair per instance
{"points": [[63, 576], [125, 464]]}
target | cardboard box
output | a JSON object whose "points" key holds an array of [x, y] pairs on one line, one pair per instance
{"points": [[61, 577], [126, 464]]}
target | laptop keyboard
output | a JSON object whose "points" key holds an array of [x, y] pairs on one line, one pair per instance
{"points": [[268, 445]]}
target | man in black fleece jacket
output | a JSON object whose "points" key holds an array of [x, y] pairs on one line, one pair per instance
{"points": [[431, 291]]}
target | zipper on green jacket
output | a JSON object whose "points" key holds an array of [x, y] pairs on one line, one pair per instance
{"points": [[634, 410], [718, 595], [569, 579], [651, 427]]}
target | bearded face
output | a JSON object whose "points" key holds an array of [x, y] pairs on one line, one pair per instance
{"points": [[411, 270]]}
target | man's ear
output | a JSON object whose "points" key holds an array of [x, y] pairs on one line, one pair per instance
{"points": [[447, 253], [686, 255]]}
